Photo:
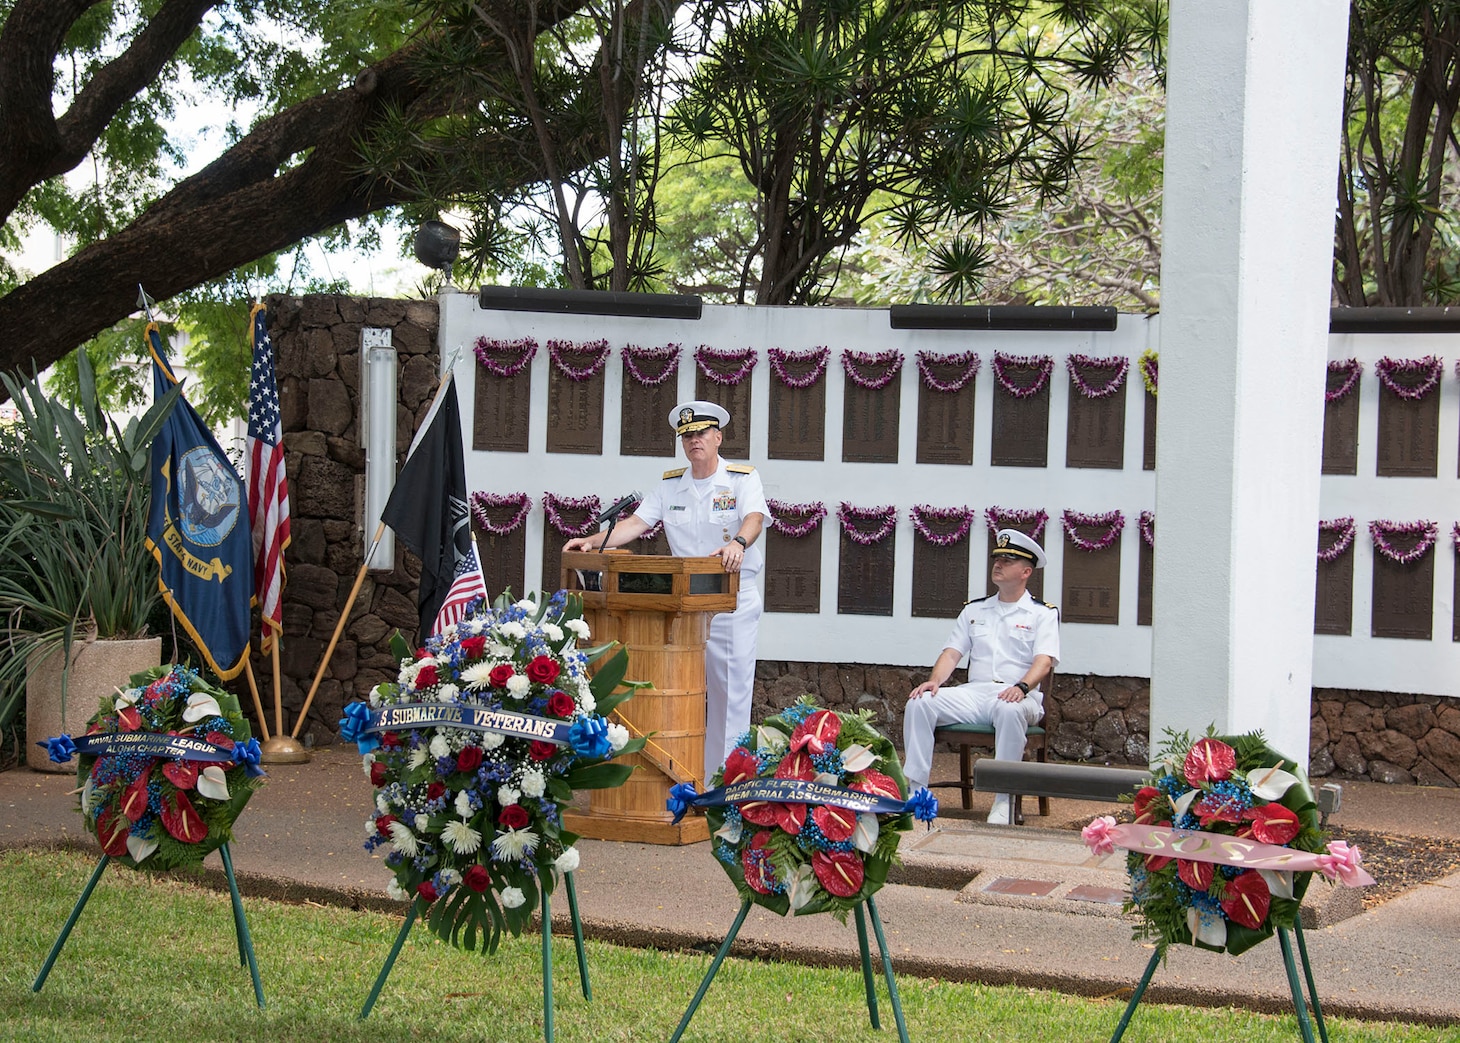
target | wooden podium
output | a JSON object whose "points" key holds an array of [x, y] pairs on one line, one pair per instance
{"points": [[659, 608]]}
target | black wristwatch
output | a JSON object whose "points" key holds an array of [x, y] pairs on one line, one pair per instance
{"points": [[741, 540], [1022, 686]]}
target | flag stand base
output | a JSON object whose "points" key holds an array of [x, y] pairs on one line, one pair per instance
{"points": [[283, 749]]}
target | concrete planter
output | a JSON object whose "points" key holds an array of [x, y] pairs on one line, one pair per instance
{"points": [[98, 668]]}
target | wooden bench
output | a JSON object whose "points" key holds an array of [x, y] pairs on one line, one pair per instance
{"points": [[968, 736]]}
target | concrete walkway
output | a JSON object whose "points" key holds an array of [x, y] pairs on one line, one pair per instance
{"points": [[993, 904]]}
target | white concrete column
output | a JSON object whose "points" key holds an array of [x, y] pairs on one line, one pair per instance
{"points": [[1252, 135]]}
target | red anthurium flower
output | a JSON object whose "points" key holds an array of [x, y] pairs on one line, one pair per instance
{"points": [[219, 739], [760, 875], [1146, 797], [182, 774], [111, 831], [1247, 899], [133, 804], [817, 733], [1195, 875], [1272, 824], [513, 816], [840, 872], [469, 759], [740, 765], [876, 783], [1155, 863], [426, 676], [378, 773], [182, 820], [129, 719], [538, 750], [382, 825], [796, 766], [434, 790], [791, 817], [758, 812], [1215, 808], [560, 704], [476, 878], [1208, 760], [473, 647], [836, 824], [542, 670], [500, 675]]}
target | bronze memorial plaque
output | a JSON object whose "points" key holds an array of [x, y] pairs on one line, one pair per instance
{"points": [[1333, 598], [501, 409], [1021, 420], [1148, 450], [1092, 581], [870, 410], [1341, 424], [1095, 434], [652, 542], [575, 520], [1145, 581], [650, 392], [1403, 593], [793, 572], [730, 389], [940, 572], [797, 405], [864, 579], [945, 407], [1409, 430], [502, 544], [575, 397]]}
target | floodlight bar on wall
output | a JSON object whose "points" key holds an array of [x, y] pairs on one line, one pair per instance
{"points": [[1394, 320], [379, 394], [1001, 317], [590, 302]]}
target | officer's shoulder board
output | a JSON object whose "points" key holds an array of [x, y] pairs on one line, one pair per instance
{"points": [[674, 472], [975, 601], [1044, 604], [740, 468]]}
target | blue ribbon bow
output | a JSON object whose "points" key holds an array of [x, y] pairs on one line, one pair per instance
{"points": [[249, 754], [354, 727], [60, 749], [923, 805], [589, 738], [679, 800]]}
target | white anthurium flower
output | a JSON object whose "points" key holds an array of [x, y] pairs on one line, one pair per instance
{"points": [[201, 705], [578, 627], [1279, 881], [417, 758], [88, 796], [514, 844], [127, 698], [801, 887], [491, 740], [827, 778], [212, 783], [857, 758], [865, 837], [140, 847], [534, 783], [403, 840], [512, 897], [1181, 803], [567, 861], [507, 795], [518, 686], [1212, 930], [461, 837], [1270, 783], [439, 747], [771, 738], [463, 805], [476, 675], [394, 889], [618, 736], [729, 832]]}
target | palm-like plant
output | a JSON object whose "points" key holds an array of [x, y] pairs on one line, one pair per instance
{"points": [[73, 521]]}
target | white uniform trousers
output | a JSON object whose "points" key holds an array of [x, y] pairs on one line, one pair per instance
{"points": [[730, 674], [976, 703]]}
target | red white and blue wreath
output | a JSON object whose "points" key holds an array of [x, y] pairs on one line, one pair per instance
{"points": [[475, 749], [166, 766], [807, 811]]}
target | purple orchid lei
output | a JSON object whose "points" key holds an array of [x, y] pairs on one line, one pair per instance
{"points": [[651, 531], [1002, 363], [780, 359], [481, 502], [1455, 535], [1149, 364], [1073, 521], [890, 361], [597, 350], [633, 355], [921, 514], [810, 514], [1005, 517], [1146, 522], [968, 361], [850, 517], [1344, 529], [706, 355], [1350, 369], [1429, 368], [552, 505], [1119, 367], [1381, 531], [488, 351]]}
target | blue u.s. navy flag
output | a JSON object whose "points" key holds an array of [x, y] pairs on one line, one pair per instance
{"points": [[197, 529]]}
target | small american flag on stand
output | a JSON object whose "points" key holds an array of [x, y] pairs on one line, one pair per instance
{"points": [[268, 490], [467, 586]]}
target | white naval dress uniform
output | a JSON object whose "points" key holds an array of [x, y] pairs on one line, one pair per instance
{"points": [[700, 518], [1001, 639]]}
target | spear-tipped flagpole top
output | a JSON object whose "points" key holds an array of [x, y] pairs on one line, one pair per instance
{"points": [[145, 302]]}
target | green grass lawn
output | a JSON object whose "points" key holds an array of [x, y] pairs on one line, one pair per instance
{"points": [[156, 960]]}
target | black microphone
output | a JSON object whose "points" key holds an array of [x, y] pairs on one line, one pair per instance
{"points": [[619, 508]]}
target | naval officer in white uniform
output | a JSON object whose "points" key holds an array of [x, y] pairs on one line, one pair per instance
{"points": [[1012, 641], [710, 508]]}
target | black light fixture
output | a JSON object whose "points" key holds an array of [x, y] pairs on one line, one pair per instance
{"points": [[437, 245], [1001, 317], [590, 302]]}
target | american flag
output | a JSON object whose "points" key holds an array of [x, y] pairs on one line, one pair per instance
{"points": [[268, 490], [467, 585]]}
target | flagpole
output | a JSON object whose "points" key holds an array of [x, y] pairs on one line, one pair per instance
{"points": [[282, 749], [258, 706]]}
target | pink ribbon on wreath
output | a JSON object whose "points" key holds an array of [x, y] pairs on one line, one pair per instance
{"points": [[1341, 862]]}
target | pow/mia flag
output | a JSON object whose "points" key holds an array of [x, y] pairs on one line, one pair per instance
{"points": [[197, 529]]}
